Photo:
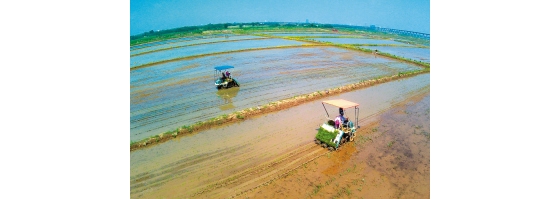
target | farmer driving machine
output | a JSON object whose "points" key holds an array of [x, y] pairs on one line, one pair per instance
{"points": [[333, 133], [224, 79]]}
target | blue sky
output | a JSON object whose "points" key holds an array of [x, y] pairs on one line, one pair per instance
{"points": [[146, 15]]}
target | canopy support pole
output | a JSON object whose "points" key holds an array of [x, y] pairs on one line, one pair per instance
{"points": [[356, 112], [326, 110]]}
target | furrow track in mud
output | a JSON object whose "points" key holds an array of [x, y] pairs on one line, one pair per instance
{"points": [[239, 182], [262, 173]]}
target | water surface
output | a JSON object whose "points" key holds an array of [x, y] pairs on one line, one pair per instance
{"points": [[208, 48], [144, 45], [419, 54], [185, 42]]}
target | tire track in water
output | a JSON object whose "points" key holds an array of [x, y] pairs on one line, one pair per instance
{"points": [[279, 176], [179, 168], [265, 167], [176, 168], [195, 164]]}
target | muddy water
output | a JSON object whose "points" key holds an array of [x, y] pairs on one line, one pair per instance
{"points": [[170, 95], [227, 95], [420, 54], [228, 160], [389, 159], [179, 43], [400, 149], [358, 41], [208, 48]]}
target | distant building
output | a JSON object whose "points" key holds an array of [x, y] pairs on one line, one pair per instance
{"points": [[306, 20]]}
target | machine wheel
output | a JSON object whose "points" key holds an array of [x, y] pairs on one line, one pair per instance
{"points": [[331, 148], [324, 145], [318, 142]]}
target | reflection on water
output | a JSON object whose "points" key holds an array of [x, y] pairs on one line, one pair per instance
{"points": [[227, 95]]}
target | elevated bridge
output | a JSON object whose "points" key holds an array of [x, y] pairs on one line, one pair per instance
{"points": [[402, 32]]}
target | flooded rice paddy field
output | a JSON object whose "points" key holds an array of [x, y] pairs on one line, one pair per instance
{"points": [[419, 54], [241, 159], [185, 42], [359, 41], [145, 45], [167, 96], [208, 48]]}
